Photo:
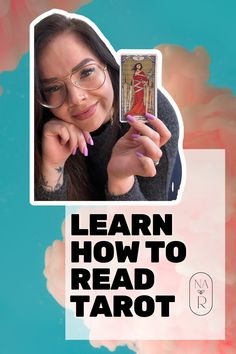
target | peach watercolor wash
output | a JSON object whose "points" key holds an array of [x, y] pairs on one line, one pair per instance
{"points": [[14, 28]]}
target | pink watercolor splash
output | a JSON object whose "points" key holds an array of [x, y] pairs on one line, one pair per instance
{"points": [[209, 116], [15, 18]]}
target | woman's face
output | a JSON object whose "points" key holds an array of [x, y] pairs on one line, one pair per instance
{"points": [[88, 110], [138, 66]]}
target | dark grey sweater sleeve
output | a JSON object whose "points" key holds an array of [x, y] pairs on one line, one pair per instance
{"points": [[157, 187], [58, 195], [134, 193]]}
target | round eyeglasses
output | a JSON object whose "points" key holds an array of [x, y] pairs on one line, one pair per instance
{"points": [[89, 77]]}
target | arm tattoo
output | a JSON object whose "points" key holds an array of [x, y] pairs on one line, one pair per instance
{"points": [[58, 185]]}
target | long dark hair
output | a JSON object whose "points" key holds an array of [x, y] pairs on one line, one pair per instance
{"points": [[79, 186], [135, 66]]}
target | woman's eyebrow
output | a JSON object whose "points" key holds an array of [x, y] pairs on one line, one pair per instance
{"points": [[82, 63], [75, 68]]}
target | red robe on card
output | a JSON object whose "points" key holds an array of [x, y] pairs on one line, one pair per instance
{"points": [[139, 81]]}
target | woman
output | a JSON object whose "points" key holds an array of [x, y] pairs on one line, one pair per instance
{"points": [[139, 81], [82, 152]]}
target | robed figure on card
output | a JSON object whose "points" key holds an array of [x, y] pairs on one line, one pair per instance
{"points": [[138, 86]]}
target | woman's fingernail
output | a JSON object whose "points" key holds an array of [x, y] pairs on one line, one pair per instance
{"points": [[90, 141], [139, 154], [85, 151], [150, 116], [131, 118], [135, 136], [74, 151]]}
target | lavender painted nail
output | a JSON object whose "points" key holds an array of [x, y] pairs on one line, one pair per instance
{"points": [[85, 151], [135, 136], [139, 154], [90, 141], [131, 118], [74, 151], [150, 116]]}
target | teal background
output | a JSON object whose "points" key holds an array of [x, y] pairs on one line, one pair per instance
{"points": [[30, 319]]}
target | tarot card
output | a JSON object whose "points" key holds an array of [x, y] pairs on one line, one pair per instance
{"points": [[139, 70]]}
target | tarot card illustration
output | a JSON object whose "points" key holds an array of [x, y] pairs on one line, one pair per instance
{"points": [[138, 83]]}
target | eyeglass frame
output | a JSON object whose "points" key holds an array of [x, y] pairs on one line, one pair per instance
{"points": [[77, 68]]}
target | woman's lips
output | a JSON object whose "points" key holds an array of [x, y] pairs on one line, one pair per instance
{"points": [[86, 113]]}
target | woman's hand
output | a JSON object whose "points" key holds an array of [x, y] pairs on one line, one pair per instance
{"points": [[60, 140], [135, 153]]}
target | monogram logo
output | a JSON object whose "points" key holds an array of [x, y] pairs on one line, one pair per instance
{"points": [[200, 293]]}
